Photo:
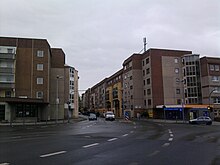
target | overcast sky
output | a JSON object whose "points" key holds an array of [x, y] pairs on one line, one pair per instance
{"points": [[98, 35]]}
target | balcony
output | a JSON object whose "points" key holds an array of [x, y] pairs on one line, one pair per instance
{"points": [[7, 85], [7, 56], [7, 70]]}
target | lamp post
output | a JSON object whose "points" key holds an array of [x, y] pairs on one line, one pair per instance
{"points": [[57, 98]]}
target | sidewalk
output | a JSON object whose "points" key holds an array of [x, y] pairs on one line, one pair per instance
{"points": [[175, 121], [53, 122]]}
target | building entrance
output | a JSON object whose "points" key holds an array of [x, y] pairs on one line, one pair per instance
{"points": [[2, 112]]}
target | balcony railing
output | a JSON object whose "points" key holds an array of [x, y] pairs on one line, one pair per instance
{"points": [[7, 70], [7, 85], [7, 56]]}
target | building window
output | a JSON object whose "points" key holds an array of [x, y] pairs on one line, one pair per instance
{"points": [[148, 71], [143, 72], [177, 91], [39, 94], [215, 78], [144, 92], [40, 80], [216, 100], [149, 101], [10, 51], [217, 68], [176, 61], [40, 53], [211, 67], [147, 61], [40, 67], [148, 81], [131, 87], [144, 82], [7, 93], [176, 70], [148, 91]]}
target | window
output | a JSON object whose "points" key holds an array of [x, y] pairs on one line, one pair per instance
{"points": [[40, 80], [147, 60], [148, 81], [215, 78], [40, 53], [144, 92], [10, 50], [144, 82], [7, 93], [39, 94], [148, 91], [217, 68], [149, 101], [143, 72], [177, 91], [148, 71], [176, 61], [131, 87], [40, 67], [211, 67], [176, 70]]}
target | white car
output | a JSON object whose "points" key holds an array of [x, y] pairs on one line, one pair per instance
{"points": [[109, 116], [201, 120]]}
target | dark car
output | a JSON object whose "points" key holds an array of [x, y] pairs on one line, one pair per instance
{"points": [[92, 116], [201, 120]]}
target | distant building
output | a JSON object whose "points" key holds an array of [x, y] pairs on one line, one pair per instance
{"points": [[31, 80], [162, 83], [210, 83]]}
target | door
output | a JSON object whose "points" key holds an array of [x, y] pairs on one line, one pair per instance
{"points": [[2, 112]]}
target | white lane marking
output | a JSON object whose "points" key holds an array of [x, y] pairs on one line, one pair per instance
{"points": [[109, 140], [91, 145], [52, 154], [171, 135], [135, 127], [170, 131], [4, 163], [165, 144], [170, 139], [154, 153], [131, 131], [125, 135]]}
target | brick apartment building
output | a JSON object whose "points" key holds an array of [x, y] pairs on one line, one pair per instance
{"points": [[28, 80], [170, 81]]}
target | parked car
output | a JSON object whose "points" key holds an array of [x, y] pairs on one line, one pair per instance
{"points": [[92, 116], [109, 116], [201, 120]]}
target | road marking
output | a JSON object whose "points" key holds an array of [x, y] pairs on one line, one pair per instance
{"points": [[4, 163], [154, 153], [135, 127], [170, 139], [171, 135], [131, 131], [165, 144], [91, 145], [170, 131], [125, 135], [109, 140], [52, 154]]}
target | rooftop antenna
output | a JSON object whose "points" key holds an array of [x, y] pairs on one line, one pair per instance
{"points": [[145, 43]]}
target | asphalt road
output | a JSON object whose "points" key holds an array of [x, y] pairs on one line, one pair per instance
{"points": [[110, 143]]}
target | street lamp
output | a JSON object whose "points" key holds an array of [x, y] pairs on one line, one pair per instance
{"points": [[57, 97]]}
